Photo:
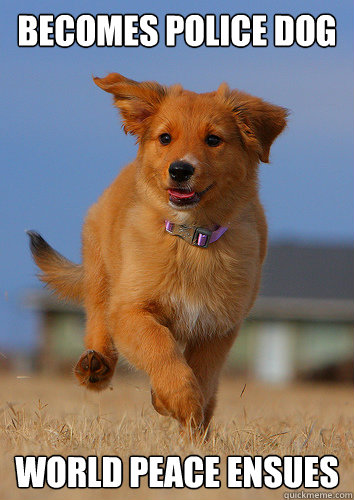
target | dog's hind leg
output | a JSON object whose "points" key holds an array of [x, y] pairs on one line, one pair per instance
{"points": [[96, 365], [206, 358]]}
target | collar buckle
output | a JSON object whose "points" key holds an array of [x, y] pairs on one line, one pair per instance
{"points": [[201, 237]]}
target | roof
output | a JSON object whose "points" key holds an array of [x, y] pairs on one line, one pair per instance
{"points": [[304, 271]]}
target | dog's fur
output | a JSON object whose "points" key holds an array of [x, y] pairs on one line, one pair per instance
{"points": [[172, 309]]}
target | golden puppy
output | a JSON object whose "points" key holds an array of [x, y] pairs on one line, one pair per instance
{"points": [[173, 249]]}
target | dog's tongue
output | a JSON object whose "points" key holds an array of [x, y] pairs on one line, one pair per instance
{"points": [[181, 194]]}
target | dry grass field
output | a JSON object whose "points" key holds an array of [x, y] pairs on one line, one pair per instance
{"points": [[55, 417]]}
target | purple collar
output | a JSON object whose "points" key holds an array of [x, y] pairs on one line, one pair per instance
{"points": [[197, 236]]}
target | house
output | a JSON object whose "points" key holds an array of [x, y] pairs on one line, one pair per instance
{"points": [[302, 322], [300, 326]]}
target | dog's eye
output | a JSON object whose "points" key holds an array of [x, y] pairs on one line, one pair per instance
{"points": [[212, 140], [165, 139]]}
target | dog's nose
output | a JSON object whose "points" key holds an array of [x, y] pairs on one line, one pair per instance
{"points": [[181, 171]]}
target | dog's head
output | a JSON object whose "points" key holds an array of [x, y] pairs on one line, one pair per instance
{"points": [[198, 153]]}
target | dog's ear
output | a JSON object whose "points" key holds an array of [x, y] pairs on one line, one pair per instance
{"points": [[259, 121], [136, 101]]}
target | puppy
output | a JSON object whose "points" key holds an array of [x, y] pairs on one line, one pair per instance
{"points": [[173, 249]]}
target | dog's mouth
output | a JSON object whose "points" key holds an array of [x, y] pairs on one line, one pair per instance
{"points": [[183, 197]]}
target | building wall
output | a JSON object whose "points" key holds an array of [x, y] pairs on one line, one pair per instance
{"points": [[280, 351]]}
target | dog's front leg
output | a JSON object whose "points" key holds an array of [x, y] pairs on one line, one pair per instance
{"points": [[150, 346], [96, 365], [206, 358]]}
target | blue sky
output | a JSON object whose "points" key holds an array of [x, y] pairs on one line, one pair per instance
{"points": [[61, 142]]}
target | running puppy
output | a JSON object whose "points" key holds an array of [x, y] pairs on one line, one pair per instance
{"points": [[173, 249]]}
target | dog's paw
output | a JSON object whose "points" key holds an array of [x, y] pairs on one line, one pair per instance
{"points": [[94, 370], [184, 402], [189, 408]]}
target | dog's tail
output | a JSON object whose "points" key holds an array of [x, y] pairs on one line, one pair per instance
{"points": [[59, 273]]}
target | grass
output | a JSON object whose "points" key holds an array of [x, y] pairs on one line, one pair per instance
{"points": [[52, 416]]}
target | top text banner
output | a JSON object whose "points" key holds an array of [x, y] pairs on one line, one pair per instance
{"points": [[195, 30]]}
